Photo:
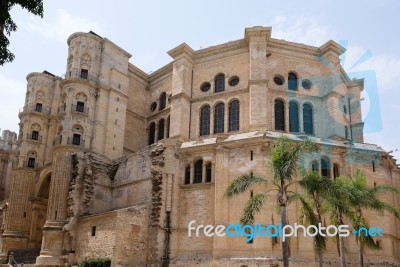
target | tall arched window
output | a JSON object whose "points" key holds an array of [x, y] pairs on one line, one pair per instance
{"points": [[205, 121], [293, 117], [163, 101], [168, 125], [219, 83], [208, 172], [219, 114], [308, 119], [314, 166], [335, 170], [198, 172], [325, 170], [152, 133], [187, 174], [234, 114], [161, 127], [279, 115], [292, 81]]}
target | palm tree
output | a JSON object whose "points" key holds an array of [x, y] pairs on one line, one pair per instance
{"points": [[339, 204], [315, 190], [284, 163], [368, 198]]}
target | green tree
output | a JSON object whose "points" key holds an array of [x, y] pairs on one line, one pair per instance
{"points": [[339, 204], [7, 25], [367, 197], [315, 189], [285, 164]]}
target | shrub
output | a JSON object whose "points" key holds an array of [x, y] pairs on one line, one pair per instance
{"points": [[98, 262]]}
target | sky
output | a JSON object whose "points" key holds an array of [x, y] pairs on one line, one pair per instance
{"points": [[148, 29]]}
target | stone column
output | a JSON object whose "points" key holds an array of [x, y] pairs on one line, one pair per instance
{"points": [[191, 172], [53, 236], [203, 172], [17, 226]]}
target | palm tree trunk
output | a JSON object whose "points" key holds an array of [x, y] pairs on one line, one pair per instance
{"points": [[360, 245], [341, 242], [320, 262], [285, 245], [341, 249]]}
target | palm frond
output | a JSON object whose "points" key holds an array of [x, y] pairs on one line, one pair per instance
{"points": [[242, 183], [252, 207]]}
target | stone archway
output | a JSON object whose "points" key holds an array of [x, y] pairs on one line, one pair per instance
{"points": [[39, 211]]}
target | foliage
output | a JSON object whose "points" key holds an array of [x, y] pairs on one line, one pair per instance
{"points": [[96, 262], [7, 25], [285, 164]]}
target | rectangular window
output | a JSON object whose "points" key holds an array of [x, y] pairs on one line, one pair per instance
{"points": [[80, 106], [251, 155], [76, 139], [84, 73], [38, 107], [94, 231], [31, 163], [35, 135], [373, 166]]}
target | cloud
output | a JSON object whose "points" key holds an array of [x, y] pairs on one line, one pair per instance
{"points": [[386, 67], [61, 27], [14, 92], [301, 30]]}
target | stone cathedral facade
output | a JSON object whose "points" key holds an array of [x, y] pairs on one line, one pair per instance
{"points": [[115, 162]]}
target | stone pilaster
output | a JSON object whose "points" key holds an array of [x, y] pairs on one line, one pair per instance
{"points": [[257, 38]]}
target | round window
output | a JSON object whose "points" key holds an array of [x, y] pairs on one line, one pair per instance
{"points": [[306, 84], [153, 106], [205, 87], [278, 79], [234, 81]]}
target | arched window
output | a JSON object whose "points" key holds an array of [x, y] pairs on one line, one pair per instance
{"points": [[308, 119], [168, 125], [161, 127], [208, 172], [219, 83], [325, 171], [336, 170], [292, 81], [234, 114], [219, 114], [163, 101], [279, 115], [152, 133], [198, 172], [31, 163], [293, 117], [187, 174], [314, 166], [205, 121]]}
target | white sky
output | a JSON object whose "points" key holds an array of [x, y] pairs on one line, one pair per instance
{"points": [[148, 29]]}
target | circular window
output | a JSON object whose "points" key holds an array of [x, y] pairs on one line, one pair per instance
{"points": [[278, 79], [306, 84], [234, 81], [153, 106], [205, 87]]}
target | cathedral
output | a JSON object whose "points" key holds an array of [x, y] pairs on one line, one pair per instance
{"points": [[114, 162]]}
